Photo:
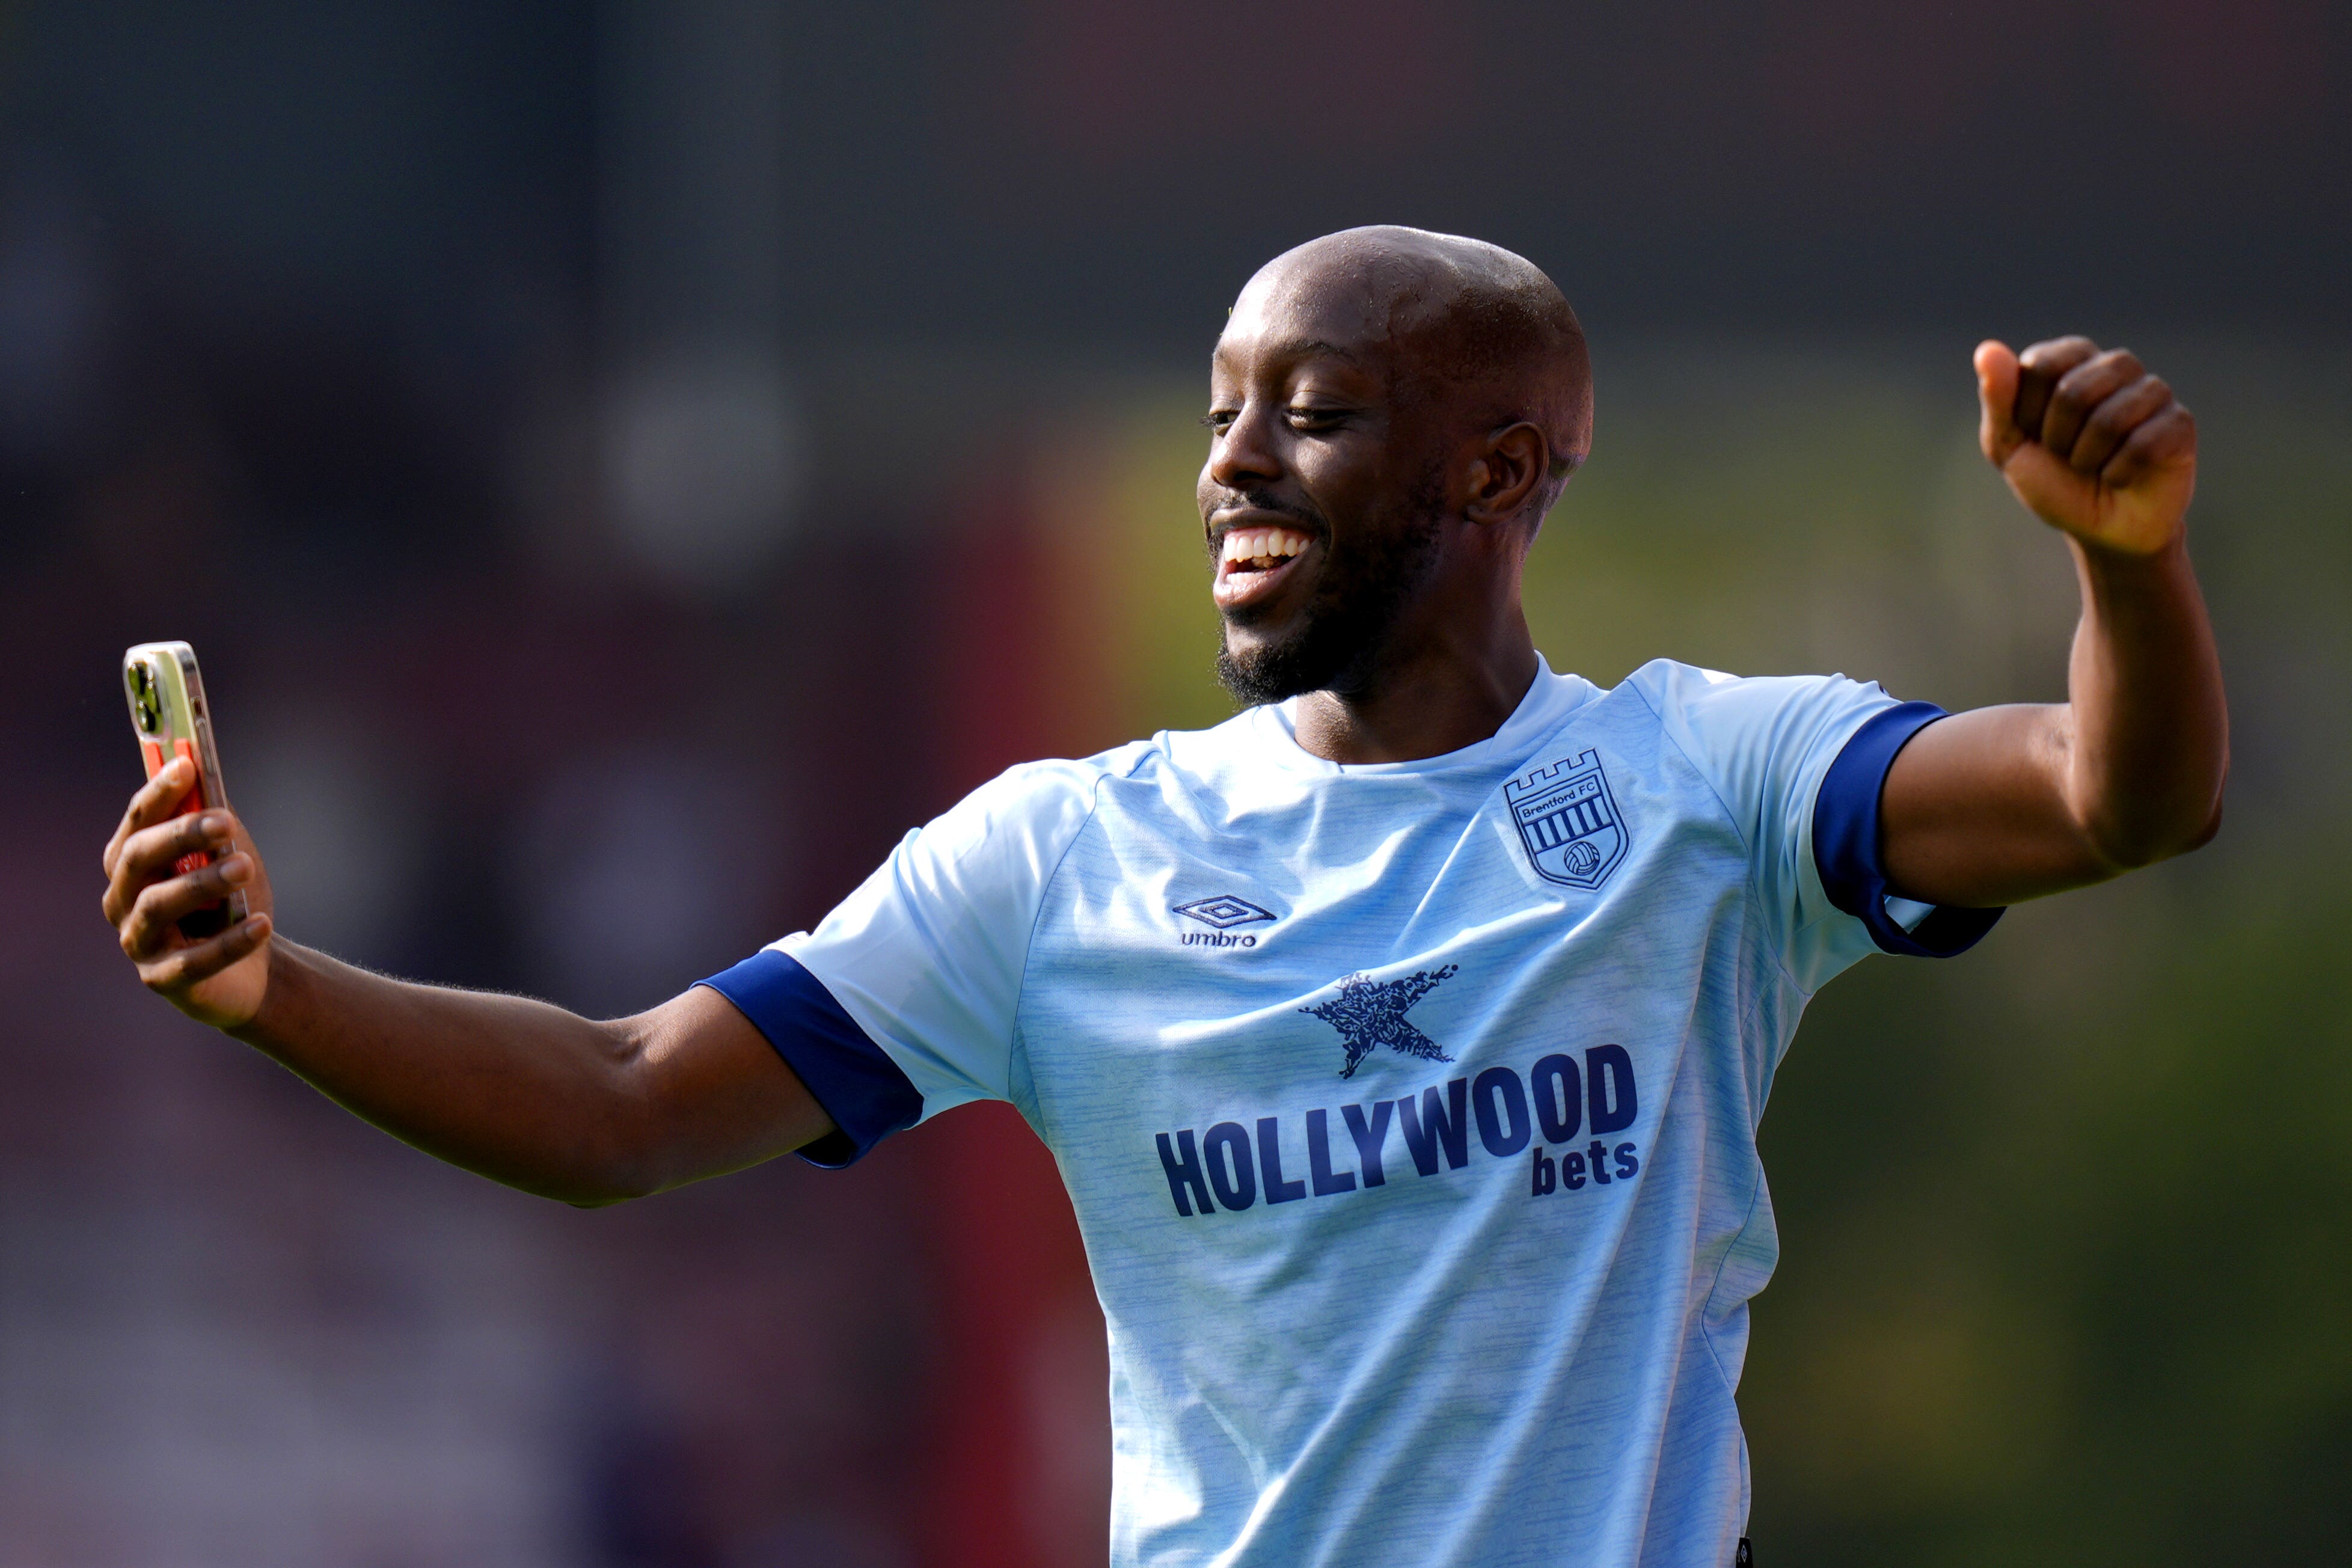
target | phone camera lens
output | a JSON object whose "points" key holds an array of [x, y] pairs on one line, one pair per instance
{"points": [[146, 703]]}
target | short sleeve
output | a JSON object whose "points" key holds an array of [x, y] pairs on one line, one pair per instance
{"points": [[1797, 762], [1846, 848], [900, 1003]]}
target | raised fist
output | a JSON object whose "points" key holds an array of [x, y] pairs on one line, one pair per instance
{"points": [[2089, 440]]}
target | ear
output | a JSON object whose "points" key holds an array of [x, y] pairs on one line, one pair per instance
{"points": [[1506, 474]]}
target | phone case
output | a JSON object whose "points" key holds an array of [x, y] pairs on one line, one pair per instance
{"points": [[167, 709]]}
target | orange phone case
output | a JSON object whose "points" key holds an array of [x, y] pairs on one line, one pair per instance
{"points": [[167, 709]]}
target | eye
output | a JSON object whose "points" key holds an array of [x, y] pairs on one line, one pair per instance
{"points": [[1317, 419], [1216, 420]]}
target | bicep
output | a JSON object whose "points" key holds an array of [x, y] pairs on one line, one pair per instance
{"points": [[717, 1094], [1974, 811]]}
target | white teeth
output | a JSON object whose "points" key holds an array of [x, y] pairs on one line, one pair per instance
{"points": [[1261, 544]]}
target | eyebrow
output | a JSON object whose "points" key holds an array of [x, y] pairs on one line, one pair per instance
{"points": [[1309, 347], [1302, 347]]}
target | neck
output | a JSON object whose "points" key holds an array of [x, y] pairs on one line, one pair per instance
{"points": [[1452, 693]]}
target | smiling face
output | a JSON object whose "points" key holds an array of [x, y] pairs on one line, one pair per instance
{"points": [[1360, 398], [1322, 491]]}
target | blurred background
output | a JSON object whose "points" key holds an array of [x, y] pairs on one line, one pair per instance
{"points": [[622, 465]]}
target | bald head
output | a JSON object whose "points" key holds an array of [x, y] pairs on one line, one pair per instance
{"points": [[1463, 321], [1391, 413]]}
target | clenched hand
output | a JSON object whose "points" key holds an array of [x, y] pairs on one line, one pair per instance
{"points": [[2089, 440], [220, 979]]}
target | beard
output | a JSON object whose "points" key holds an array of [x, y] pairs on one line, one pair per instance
{"points": [[1346, 626]]}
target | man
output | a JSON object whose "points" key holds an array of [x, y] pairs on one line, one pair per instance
{"points": [[1402, 1040]]}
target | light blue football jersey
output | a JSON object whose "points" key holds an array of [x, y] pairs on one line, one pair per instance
{"points": [[1408, 1110]]}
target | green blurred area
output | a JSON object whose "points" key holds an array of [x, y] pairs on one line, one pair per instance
{"points": [[2066, 1223]]}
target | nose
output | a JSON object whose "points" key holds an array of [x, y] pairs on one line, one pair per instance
{"points": [[1245, 452]]}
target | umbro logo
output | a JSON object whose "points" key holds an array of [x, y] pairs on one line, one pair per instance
{"points": [[1223, 912], [1220, 914]]}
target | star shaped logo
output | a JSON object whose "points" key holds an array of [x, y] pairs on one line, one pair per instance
{"points": [[1369, 1012]]}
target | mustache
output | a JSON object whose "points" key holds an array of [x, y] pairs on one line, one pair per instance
{"points": [[1266, 500]]}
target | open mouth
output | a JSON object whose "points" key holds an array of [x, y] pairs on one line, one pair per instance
{"points": [[1251, 561]]}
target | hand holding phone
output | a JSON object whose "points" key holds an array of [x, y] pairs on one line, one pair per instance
{"points": [[167, 709], [185, 889]]}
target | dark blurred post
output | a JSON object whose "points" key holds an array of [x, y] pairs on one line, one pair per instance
{"points": [[1021, 1433], [702, 453]]}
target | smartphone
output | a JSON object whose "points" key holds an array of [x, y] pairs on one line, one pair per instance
{"points": [[167, 709]]}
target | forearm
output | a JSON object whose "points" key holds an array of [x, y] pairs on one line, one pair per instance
{"points": [[2146, 742], [2001, 805], [517, 1091]]}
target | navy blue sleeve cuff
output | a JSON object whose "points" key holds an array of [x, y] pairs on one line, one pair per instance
{"points": [[1846, 848], [864, 1092]]}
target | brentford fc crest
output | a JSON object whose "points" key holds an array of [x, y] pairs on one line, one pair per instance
{"points": [[1569, 821]]}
